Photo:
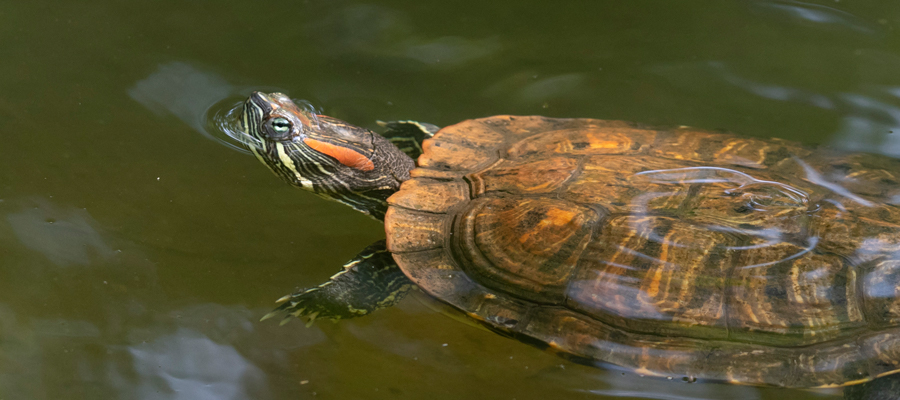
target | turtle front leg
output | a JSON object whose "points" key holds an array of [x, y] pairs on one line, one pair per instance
{"points": [[408, 135], [884, 388], [372, 280]]}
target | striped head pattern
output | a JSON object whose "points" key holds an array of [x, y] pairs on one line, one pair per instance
{"points": [[324, 155]]}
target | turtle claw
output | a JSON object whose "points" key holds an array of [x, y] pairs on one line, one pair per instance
{"points": [[283, 298], [314, 303], [312, 319], [269, 315]]}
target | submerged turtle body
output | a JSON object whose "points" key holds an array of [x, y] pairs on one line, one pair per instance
{"points": [[679, 253]]}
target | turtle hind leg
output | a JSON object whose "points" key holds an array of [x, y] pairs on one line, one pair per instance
{"points": [[884, 388], [370, 281]]}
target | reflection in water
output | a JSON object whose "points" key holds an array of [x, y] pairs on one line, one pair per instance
{"points": [[65, 237], [204, 351], [189, 366], [815, 177], [132, 343], [202, 100], [872, 122], [746, 249], [544, 88], [639, 391], [182, 90], [760, 200], [21, 372], [629, 385], [65, 328], [398, 342], [797, 11], [379, 32], [74, 121], [757, 192], [449, 50], [529, 88], [870, 118], [769, 91], [881, 282]]}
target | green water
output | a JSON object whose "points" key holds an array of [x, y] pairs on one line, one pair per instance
{"points": [[137, 255]]}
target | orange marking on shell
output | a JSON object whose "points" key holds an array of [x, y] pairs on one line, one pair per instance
{"points": [[654, 284], [559, 217], [554, 217], [344, 155], [605, 144], [658, 274]]}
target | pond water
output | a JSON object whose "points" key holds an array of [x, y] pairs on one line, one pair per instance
{"points": [[138, 249]]}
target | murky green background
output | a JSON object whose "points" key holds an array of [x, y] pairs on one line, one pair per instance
{"points": [[137, 255]]}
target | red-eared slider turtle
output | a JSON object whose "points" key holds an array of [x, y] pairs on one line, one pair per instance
{"points": [[672, 252]]}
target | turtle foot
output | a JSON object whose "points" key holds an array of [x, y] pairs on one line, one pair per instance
{"points": [[372, 280]]}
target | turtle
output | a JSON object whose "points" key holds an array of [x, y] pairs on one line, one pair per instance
{"points": [[675, 252]]}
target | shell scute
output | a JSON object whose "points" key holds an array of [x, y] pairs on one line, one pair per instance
{"points": [[430, 195], [683, 252], [881, 291], [654, 274], [611, 137], [442, 175], [785, 295], [613, 181], [449, 156], [513, 243], [722, 148], [410, 231], [523, 126], [540, 176], [435, 272], [462, 147]]}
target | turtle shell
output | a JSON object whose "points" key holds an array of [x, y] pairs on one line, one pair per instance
{"points": [[680, 253]]}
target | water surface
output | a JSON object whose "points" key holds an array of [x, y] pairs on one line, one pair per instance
{"points": [[137, 252]]}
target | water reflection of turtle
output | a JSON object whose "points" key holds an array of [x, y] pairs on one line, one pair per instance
{"points": [[680, 253]]}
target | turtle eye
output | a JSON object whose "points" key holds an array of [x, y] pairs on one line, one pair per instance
{"points": [[278, 128]]}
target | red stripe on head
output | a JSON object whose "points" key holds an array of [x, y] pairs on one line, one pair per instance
{"points": [[344, 155]]}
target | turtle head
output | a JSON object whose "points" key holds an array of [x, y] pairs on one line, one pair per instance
{"points": [[324, 155]]}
